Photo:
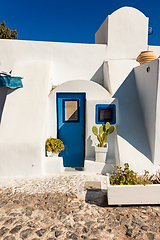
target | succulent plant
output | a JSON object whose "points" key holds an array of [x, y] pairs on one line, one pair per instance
{"points": [[54, 145], [102, 134]]}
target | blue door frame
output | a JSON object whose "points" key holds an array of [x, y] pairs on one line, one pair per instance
{"points": [[71, 127]]}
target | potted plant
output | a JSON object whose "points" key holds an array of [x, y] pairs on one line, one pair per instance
{"points": [[53, 146], [102, 135], [53, 164], [126, 187]]}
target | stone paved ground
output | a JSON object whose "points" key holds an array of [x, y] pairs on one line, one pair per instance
{"points": [[48, 208]]}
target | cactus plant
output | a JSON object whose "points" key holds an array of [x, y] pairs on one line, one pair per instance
{"points": [[102, 134]]}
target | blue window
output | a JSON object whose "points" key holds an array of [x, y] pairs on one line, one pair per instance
{"points": [[70, 110], [105, 113]]}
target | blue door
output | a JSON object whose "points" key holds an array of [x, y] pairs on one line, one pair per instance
{"points": [[71, 126]]}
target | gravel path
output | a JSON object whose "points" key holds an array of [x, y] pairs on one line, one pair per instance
{"points": [[56, 207]]}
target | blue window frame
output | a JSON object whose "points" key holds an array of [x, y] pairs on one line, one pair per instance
{"points": [[105, 113]]}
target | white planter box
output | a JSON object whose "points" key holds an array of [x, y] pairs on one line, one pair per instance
{"points": [[133, 194], [53, 165]]}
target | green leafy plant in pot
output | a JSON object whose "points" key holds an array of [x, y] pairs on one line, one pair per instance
{"points": [[53, 146], [102, 135], [128, 177]]}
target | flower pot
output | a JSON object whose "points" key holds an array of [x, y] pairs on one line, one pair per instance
{"points": [[146, 56], [50, 154], [101, 153]]}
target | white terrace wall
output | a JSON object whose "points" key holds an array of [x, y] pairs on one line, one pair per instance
{"points": [[148, 80], [69, 61], [24, 111], [132, 138], [116, 71], [125, 32], [136, 94], [119, 40], [23, 117]]}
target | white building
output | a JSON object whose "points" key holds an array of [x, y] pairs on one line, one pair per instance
{"points": [[89, 77]]}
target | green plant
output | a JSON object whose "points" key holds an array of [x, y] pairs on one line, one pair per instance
{"points": [[6, 33], [54, 145], [102, 134], [128, 177]]}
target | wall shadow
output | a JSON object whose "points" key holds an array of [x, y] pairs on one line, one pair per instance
{"points": [[89, 148], [98, 76], [131, 125], [4, 91], [97, 197]]}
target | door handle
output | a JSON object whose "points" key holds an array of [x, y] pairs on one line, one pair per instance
{"points": [[82, 135]]}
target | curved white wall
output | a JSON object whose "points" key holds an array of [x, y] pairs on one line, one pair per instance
{"points": [[23, 121], [125, 32], [95, 94], [93, 91]]}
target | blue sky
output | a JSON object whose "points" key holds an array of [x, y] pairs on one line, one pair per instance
{"points": [[72, 20]]}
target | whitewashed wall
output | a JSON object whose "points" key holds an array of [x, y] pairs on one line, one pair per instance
{"points": [[69, 60], [24, 111], [27, 117], [125, 32], [23, 120], [147, 80], [116, 71], [95, 94], [132, 137]]}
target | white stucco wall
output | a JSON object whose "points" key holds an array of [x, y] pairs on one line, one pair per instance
{"points": [[95, 94], [125, 32], [148, 91], [116, 71], [91, 139], [69, 60], [28, 115], [23, 121], [92, 92], [132, 139], [23, 124], [157, 128], [133, 142], [101, 36]]}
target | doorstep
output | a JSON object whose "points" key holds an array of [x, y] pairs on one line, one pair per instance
{"points": [[99, 167]]}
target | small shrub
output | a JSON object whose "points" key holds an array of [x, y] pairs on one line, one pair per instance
{"points": [[54, 145], [128, 177]]}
